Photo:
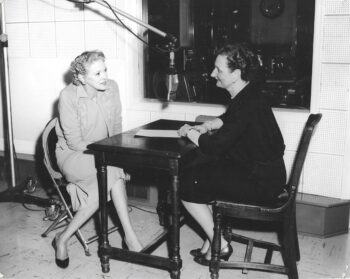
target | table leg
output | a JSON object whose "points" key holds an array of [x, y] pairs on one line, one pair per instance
{"points": [[175, 227], [102, 181], [163, 200]]}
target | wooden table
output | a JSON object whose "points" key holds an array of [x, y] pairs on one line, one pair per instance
{"points": [[126, 150]]}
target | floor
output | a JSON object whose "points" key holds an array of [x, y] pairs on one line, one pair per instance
{"points": [[24, 254]]}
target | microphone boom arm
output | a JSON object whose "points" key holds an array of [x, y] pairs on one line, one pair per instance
{"points": [[172, 38]]}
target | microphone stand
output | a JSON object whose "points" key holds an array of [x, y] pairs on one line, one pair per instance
{"points": [[172, 79], [20, 192]]}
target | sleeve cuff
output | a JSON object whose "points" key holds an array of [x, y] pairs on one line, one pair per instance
{"points": [[193, 135]]}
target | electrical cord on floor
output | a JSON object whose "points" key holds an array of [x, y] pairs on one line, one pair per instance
{"points": [[142, 209], [31, 209], [31, 185]]}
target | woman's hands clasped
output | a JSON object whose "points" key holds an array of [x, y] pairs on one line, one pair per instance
{"points": [[183, 131]]}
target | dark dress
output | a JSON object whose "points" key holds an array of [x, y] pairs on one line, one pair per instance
{"points": [[241, 161]]}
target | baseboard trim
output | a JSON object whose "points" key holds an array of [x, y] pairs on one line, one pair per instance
{"points": [[20, 156]]}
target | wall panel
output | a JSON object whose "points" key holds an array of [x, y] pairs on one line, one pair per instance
{"points": [[335, 87]]}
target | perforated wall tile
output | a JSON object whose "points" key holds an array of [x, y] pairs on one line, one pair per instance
{"points": [[68, 11], [101, 35], [291, 132], [18, 40], [330, 134], [136, 118], [39, 11], [16, 11], [70, 38], [42, 40], [336, 50], [335, 86], [337, 7], [337, 26], [336, 43], [323, 175], [166, 115]]}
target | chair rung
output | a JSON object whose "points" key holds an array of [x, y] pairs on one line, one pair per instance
{"points": [[256, 243], [94, 238], [254, 266]]}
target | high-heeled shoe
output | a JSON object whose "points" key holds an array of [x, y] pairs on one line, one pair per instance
{"points": [[197, 252], [60, 263], [225, 254]]}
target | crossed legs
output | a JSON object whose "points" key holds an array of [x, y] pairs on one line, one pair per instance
{"points": [[118, 194]]}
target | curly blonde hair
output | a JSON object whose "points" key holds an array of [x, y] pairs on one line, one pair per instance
{"points": [[80, 63]]}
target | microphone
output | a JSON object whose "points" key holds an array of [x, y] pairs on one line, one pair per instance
{"points": [[172, 78], [171, 38], [82, 1]]}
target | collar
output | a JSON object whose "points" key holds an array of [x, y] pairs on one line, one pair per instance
{"points": [[244, 93], [81, 93]]}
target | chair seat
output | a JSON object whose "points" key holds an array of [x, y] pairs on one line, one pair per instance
{"points": [[266, 211]]}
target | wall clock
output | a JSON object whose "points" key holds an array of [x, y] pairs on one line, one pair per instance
{"points": [[271, 8]]}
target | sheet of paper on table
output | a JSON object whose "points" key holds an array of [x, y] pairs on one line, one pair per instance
{"points": [[157, 133]]}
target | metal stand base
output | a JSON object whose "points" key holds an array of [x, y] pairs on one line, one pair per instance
{"points": [[20, 194]]}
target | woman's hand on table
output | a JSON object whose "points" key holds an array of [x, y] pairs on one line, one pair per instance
{"points": [[184, 130]]}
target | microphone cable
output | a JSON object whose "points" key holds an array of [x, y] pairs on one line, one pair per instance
{"points": [[156, 49]]}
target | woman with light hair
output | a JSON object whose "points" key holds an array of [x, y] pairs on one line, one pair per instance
{"points": [[89, 110]]}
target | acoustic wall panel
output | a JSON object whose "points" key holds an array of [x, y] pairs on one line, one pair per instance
{"points": [[336, 43], [122, 38], [16, 11], [134, 118], [330, 134], [68, 11], [337, 7], [70, 39], [41, 11], [32, 98], [337, 26], [101, 35], [18, 40], [335, 86], [291, 132], [323, 175], [42, 39], [166, 115]]}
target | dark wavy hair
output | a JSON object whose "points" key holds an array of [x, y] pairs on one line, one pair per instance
{"points": [[80, 63], [240, 56]]}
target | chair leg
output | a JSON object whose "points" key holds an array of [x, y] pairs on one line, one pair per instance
{"points": [[80, 236], [289, 253], [296, 240], [216, 245], [248, 254], [63, 216], [83, 242]]}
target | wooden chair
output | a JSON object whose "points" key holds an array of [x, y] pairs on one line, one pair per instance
{"points": [[49, 140], [281, 214]]}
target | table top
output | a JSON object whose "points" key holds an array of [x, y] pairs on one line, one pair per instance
{"points": [[128, 143]]}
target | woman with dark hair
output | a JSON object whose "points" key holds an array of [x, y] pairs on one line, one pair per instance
{"points": [[240, 154], [89, 110]]}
